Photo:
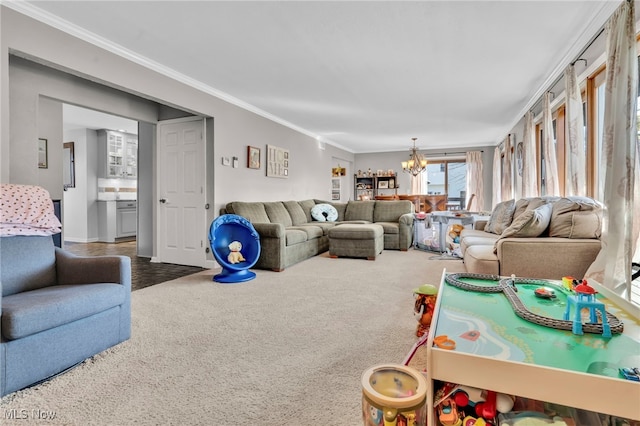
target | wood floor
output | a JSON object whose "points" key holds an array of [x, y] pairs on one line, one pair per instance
{"points": [[143, 272]]}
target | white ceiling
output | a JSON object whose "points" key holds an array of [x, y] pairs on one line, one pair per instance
{"points": [[363, 75]]}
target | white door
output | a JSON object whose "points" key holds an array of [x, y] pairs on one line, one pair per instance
{"points": [[181, 193]]}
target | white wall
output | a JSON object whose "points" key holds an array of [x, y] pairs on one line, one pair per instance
{"points": [[234, 128]]}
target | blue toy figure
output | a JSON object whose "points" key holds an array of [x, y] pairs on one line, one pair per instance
{"points": [[236, 246], [585, 297]]}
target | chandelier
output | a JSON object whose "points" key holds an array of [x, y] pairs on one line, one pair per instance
{"points": [[417, 163]]}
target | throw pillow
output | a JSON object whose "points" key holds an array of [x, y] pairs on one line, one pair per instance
{"points": [[324, 213], [501, 217], [530, 223], [576, 217]]}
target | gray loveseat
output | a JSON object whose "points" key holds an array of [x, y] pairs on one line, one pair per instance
{"points": [[538, 237], [289, 234], [57, 309]]}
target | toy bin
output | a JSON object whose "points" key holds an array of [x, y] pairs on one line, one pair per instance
{"points": [[394, 394]]}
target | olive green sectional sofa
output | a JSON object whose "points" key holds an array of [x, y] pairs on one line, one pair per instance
{"points": [[289, 233], [538, 237]]}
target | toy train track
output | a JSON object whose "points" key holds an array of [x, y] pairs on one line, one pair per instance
{"points": [[507, 286]]}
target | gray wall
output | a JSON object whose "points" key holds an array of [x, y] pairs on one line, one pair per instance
{"points": [[80, 215]]}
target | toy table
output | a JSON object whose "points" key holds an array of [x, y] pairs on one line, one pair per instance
{"points": [[498, 350]]}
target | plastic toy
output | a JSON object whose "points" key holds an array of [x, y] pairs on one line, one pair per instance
{"points": [[424, 306], [394, 394], [508, 287], [485, 403], [585, 298], [544, 293], [448, 413], [631, 373]]}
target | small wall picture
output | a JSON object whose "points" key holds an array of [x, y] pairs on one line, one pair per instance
{"points": [[338, 171], [43, 161], [335, 184], [335, 195], [253, 157], [383, 184]]}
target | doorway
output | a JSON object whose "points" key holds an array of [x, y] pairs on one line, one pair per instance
{"points": [[93, 201]]}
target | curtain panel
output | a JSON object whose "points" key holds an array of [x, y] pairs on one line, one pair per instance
{"points": [[507, 171], [550, 162], [496, 192], [576, 166], [621, 221], [529, 161], [475, 183]]}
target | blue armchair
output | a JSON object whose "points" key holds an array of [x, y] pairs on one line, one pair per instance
{"points": [[57, 309]]}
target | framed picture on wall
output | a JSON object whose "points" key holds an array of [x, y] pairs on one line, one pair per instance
{"points": [[43, 154], [335, 195], [253, 157], [383, 184], [277, 162], [335, 184]]}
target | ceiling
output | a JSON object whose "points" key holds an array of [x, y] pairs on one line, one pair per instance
{"points": [[366, 76]]}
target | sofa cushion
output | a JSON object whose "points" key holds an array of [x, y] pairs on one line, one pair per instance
{"points": [[360, 210], [324, 213], [253, 212], [27, 263], [277, 213], [487, 239], [307, 205], [27, 313], [530, 223], [501, 217], [389, 227], [298, 217], [294, 236], [390, 211], [311, 231], [341, 208], [481, 260], [576, 217]]}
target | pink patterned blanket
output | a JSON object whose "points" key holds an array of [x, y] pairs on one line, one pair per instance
{"points": [[26, 210]]}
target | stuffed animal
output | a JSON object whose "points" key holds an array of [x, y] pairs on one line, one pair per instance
{"points": [[235, 256], [454, 232]]}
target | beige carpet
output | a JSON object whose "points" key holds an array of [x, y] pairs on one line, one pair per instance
{"points": [[286, 348]]}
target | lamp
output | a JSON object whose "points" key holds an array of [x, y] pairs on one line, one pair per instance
{"points": [[417, 163]]}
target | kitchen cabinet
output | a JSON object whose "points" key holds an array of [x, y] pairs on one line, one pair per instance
{"points": [[118, 154], [117, 220]]}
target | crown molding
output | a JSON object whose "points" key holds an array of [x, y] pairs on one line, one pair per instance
{"points": [[76, 31]]}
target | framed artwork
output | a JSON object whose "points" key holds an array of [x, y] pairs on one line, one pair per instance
{"points": [[253, 157], [335, 184], [277, 162], [338, 171], [43, 154], [383, 184], [335, 195]]}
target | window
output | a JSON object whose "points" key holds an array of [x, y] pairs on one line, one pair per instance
{"points": [[447, 177], [595, 121]]}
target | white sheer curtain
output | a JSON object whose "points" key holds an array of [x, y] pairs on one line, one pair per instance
{"points": [[507, 172], [417, 184], [620, 161], [475, 182], [576, 182], [497, 177], [529, 163], [550, 162]]}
